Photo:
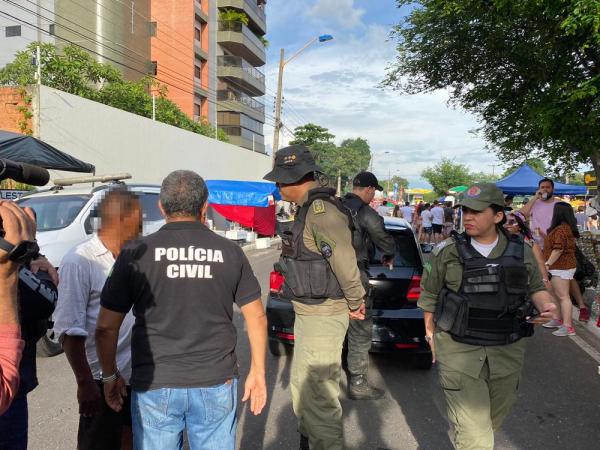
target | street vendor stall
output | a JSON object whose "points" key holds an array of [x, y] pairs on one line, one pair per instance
{"points": [[249, 203], [524, 181]]}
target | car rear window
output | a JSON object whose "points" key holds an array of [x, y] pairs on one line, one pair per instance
{"points": [[54, 212], [407, 254]]}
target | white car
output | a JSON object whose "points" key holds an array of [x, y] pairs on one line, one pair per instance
{"points": [[66, 217]]}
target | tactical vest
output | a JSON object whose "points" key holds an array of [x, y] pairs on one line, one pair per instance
{"points": [[492, 304], [361, 241], [308, 275]]}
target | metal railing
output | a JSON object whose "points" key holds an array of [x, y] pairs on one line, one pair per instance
{"points": [[239, 27], [238, 61], [254, 7], [234, 96]]}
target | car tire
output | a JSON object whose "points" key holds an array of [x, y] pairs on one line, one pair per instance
{"points": [[279, 348], [423, 361], [48, 346]]}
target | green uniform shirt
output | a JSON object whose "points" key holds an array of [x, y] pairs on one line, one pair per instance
{"points": [[325, 223], [445, 269]]}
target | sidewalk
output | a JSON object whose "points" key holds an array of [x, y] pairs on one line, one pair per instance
{"points": [[591, 297]]}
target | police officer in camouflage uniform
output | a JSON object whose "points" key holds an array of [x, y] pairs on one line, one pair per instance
{"points": [[477, 294], [323, 280], [368, 235]]}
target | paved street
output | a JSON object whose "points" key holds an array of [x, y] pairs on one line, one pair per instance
{"points": [[558, 407]]}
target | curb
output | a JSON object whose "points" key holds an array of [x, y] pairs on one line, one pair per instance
{"points": [[247, 248]]}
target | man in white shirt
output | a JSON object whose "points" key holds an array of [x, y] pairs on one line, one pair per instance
{"points": [[426, 218], [407, 212], [383, 210], [437, 222], [83, 272]]}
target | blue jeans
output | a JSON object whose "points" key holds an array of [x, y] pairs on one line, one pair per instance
{"points": [[159, 417]]}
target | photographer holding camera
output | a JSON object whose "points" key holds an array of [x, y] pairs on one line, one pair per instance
{"points": [[15, 247]]}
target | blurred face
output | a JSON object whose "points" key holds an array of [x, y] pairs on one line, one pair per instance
{"points": [[546, 188], [131, 225], [481, 223]]}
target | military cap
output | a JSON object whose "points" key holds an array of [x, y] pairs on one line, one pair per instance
{"points": [[366, 179], [480, 196], [292, 164]]}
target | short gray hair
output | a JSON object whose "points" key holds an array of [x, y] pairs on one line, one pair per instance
{"points": [[183, 193]]}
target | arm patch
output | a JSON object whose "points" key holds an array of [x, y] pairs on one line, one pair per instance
{"points": [[318, 206]]}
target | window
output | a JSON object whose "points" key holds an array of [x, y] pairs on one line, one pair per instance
{"points": [[197, 110], [51, 29], [153, 28], [13, 31], [198, 34], [150, 211], [55, 212], [154, 68], [198, 72]]}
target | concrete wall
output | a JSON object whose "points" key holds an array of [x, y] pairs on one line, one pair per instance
{"points": [[117, 141]]}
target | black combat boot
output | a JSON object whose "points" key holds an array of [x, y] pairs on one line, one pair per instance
{"points": [[359, 389], [304, 442]]}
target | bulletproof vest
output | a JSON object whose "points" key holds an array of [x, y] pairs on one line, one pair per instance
{"points": [[361, 241], [492, 304], [308, 275]]}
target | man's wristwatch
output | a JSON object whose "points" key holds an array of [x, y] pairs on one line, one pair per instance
{"points": [[111, 378]]}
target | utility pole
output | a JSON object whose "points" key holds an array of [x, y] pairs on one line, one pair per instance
{"points": [[278, 107]]}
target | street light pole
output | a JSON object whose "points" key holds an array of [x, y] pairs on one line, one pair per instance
{"points": [[278, 98], [278, 107]]}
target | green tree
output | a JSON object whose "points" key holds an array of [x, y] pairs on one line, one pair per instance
{"points": [[528, 69], [447, 174], [401, 181], [311, 134], [74, 71], [482, 177]]}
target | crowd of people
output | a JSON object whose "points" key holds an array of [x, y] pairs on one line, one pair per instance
{"points": [[146, 322]]}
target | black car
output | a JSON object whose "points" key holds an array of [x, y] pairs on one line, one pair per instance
{"points": [[397, 321]]}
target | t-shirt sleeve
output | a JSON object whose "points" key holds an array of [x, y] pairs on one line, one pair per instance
{"points": [[247, 289], [116, 294]]}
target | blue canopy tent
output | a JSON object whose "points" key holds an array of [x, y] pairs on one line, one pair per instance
{"points": [[249, 203], [524, 181]]}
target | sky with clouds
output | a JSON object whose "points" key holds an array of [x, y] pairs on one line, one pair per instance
{"points": [[334, 84]]}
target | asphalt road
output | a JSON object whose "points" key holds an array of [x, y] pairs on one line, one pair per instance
{"points": [[558, 406]]}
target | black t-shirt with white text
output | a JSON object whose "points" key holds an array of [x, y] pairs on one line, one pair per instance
{"points": [[182, 282]]}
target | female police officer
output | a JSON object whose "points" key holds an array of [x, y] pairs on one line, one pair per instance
{"points": [[476, 294]]}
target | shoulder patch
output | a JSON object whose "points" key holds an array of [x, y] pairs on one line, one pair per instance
{"points": [[318, 206]]}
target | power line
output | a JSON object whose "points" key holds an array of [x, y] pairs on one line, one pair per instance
{"points": [[126, 56], [170, 73]]}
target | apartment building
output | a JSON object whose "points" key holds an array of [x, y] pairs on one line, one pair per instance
{"points": [[112, 31], [182, 47], [241, 83]]}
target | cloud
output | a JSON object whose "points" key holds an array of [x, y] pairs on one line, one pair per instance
{"points": [[343, 11], [336, 85]]}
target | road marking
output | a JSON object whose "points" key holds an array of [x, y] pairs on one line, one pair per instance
{"points": [[587, 348]]}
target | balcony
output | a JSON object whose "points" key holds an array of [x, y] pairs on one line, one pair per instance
{"points": [[239, 40], [244, 138], [256, 15], [230, 100], [241, 73]]}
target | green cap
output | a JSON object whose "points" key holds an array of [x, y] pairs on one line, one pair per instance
{"points": [[480, 196]]}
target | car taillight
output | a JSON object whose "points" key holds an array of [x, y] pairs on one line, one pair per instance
{"points": [[414, 288], [276, 281]]}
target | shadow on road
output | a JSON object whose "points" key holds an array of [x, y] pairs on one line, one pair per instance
{"points": [[420, 397]]}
